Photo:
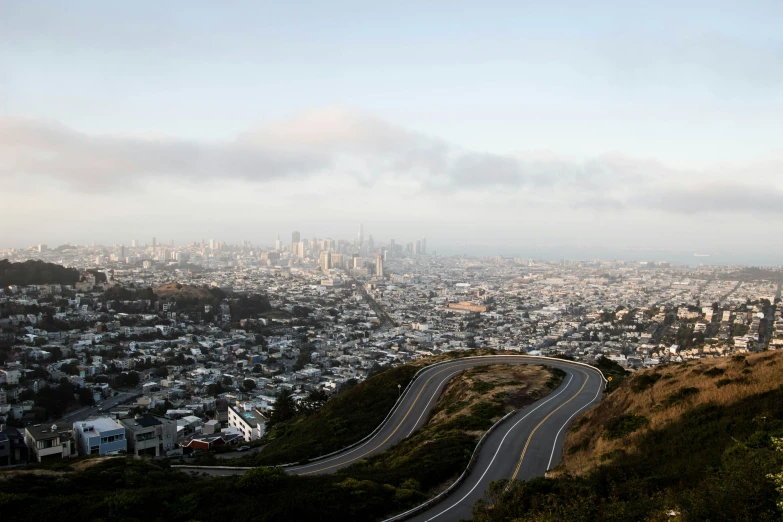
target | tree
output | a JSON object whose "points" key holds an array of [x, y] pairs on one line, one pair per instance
{"points": [[285, 408], [249, 385], [313, 402]]}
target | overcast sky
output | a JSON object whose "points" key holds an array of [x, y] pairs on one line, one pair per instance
{"points": [[558, 129]]}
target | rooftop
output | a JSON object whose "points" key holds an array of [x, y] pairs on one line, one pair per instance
{"points": [[48, 431]]}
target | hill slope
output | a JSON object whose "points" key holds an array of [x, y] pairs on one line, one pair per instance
{"points": [[680, 443], [34, 272]]}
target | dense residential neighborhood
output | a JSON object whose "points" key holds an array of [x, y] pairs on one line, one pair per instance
{"points": [[162, 351]]}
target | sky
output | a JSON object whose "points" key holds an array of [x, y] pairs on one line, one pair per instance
{"points": [[537, 129]]}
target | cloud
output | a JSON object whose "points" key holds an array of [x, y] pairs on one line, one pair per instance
{"points": [[717, 197], [103, 162], [336, 143]]}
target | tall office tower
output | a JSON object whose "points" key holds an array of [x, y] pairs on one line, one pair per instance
{"points": [[171, 242], [295, 238], [357, 261], [42, 248], [424, 245], [379, 265], [212, 244], [122, 253], [154, 243], [385, 255], [360, 242], [133, 244], [300, 250], [325, 261], [371, 242], [278, 243]]}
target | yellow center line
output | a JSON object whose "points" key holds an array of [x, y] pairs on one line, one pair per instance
{"points": [[524, 450], [395, 429]]}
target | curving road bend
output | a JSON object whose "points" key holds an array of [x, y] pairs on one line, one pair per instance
{"points": [[526, 445]]}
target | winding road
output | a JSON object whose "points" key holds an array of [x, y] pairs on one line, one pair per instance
{"points": [[525, 445]]}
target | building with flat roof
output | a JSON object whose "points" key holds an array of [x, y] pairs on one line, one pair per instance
{"points": [[49, 441], [101, 436], [247, 420], [150, 435]]}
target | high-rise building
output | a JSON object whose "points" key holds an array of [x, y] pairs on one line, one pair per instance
{"points": [[278, 243], [133, 244], [336, 260], [357, 262], [379, 265], [42, 248], [423, 245], [360, 241], [295, 237], [154, 243], [300, 250], [212, 244], [122, 253], [325, 260]]}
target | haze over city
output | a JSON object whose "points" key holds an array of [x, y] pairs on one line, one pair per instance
{"points": [[564, 130]]}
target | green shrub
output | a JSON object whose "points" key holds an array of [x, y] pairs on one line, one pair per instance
{"points": [[679, 396], [714, 372], [622, 425], [644, 381]]}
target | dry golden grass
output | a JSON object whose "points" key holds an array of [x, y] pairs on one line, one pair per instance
{"points": [[584, 444], [515, 386]]}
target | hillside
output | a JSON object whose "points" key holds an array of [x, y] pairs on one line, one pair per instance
{"points": [[179, 292], [33, 272], [683, 442]]}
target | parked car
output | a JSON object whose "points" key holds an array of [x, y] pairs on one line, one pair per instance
{"points": [[243, 448]]}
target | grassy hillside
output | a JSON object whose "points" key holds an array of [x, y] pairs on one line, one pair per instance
{"points": [[347, 418], [688, 442]]}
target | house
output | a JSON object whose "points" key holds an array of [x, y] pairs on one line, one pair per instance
{"points": [[49, 441], [16, 450], [208, 442], [247, 420], [5, 450], [150, 435], [101, 436]]}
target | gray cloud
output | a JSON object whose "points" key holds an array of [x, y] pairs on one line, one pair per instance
{"points": [[718, 197], [99, 163], [336, 141]]}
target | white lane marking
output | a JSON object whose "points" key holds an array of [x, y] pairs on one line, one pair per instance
{"points": [[429, 401], [552, 456], [341, 455], [500, 446]]}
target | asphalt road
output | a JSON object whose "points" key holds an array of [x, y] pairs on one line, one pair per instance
{"points": [[526, 445], [106, 404]]}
